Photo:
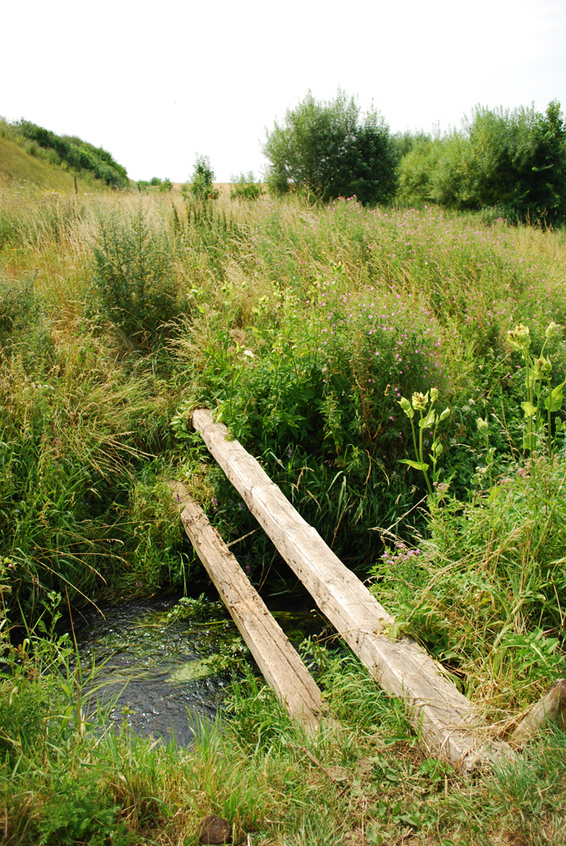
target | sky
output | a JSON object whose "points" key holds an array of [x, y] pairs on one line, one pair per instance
{"points": [[157, 84]]}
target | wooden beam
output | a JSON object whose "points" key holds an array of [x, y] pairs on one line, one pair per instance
{"points": [[272, 650], [550, 709], [444, 719]]}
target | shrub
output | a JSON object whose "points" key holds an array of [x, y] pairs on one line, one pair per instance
{"points": [[244, 187], [316, 399], [135, 277], [512, 160], [77, 154], [201, 185], [325, 149]]}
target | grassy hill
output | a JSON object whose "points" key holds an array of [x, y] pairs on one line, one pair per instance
{"points": [[24, 164], [21, 169]]}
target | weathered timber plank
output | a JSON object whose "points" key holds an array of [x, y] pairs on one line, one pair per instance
{"points": [[272, 650], [551, 708], [444, 718]]}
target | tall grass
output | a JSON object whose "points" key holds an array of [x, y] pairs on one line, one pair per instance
{"points": [[69, 780], [302, 327]]}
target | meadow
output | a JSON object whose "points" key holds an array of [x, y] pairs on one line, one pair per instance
{"points": [[353, 352]]}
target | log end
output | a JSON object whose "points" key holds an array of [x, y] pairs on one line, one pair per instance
{"points": [[549, 710]]}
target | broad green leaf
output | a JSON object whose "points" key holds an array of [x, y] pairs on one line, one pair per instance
{"points": [[416, 465], [529, 408], [411, 819], [554, 401], [429, 420]]}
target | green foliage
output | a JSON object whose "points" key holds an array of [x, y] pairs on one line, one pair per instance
{"points": [[19, 306], [528, 813], [210, 237], [244, 187], [155, 184], [405, 141], [73, 781], [514, 161], [486, 591], [289, 307], [317, 401], [201, 185], [542, 430], [74, 428], [135, 277], [155, 537], [428, 419], [77, 154], [54, 789], [327, 150], [493, 562]]}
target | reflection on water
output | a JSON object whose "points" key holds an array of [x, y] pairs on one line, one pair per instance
{"points": [[164, 666]]}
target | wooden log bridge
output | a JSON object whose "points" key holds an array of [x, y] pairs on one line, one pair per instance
{"points": [[273, 652], [444, 719]]}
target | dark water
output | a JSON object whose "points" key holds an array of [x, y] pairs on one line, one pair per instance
{"points": [[164, 666]]}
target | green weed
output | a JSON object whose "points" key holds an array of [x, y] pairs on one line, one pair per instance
{"points": [[135, 278]]}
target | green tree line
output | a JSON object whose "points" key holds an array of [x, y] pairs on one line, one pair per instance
{"points": [[510, 160], [78, 154]]}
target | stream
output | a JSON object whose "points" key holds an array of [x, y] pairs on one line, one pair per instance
{"points": [[164, 665]]}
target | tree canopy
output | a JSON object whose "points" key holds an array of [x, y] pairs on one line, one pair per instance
{"points": [[514, 161], [329, 150]]}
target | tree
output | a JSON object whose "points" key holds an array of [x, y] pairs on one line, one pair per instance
{"points": [[201, 187], [326, 149], [514, 161]]}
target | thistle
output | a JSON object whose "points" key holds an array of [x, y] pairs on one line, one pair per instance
{"points": [[428, 418]]}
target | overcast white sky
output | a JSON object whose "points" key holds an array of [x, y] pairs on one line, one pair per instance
{"points": [[156, 83]]}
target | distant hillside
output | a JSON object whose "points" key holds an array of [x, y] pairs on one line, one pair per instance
{"points": [[33, 157]]}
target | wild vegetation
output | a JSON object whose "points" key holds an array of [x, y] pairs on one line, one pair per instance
{"points": [[512, 160], [76, 153], [399, 372], [328, 151]]}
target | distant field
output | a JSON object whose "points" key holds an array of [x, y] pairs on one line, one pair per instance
{"points": [[223, 187]]}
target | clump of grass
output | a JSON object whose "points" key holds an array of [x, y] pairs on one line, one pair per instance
{"points": [[486, 592], [135, 277], [19, 306], [70, 779]]}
